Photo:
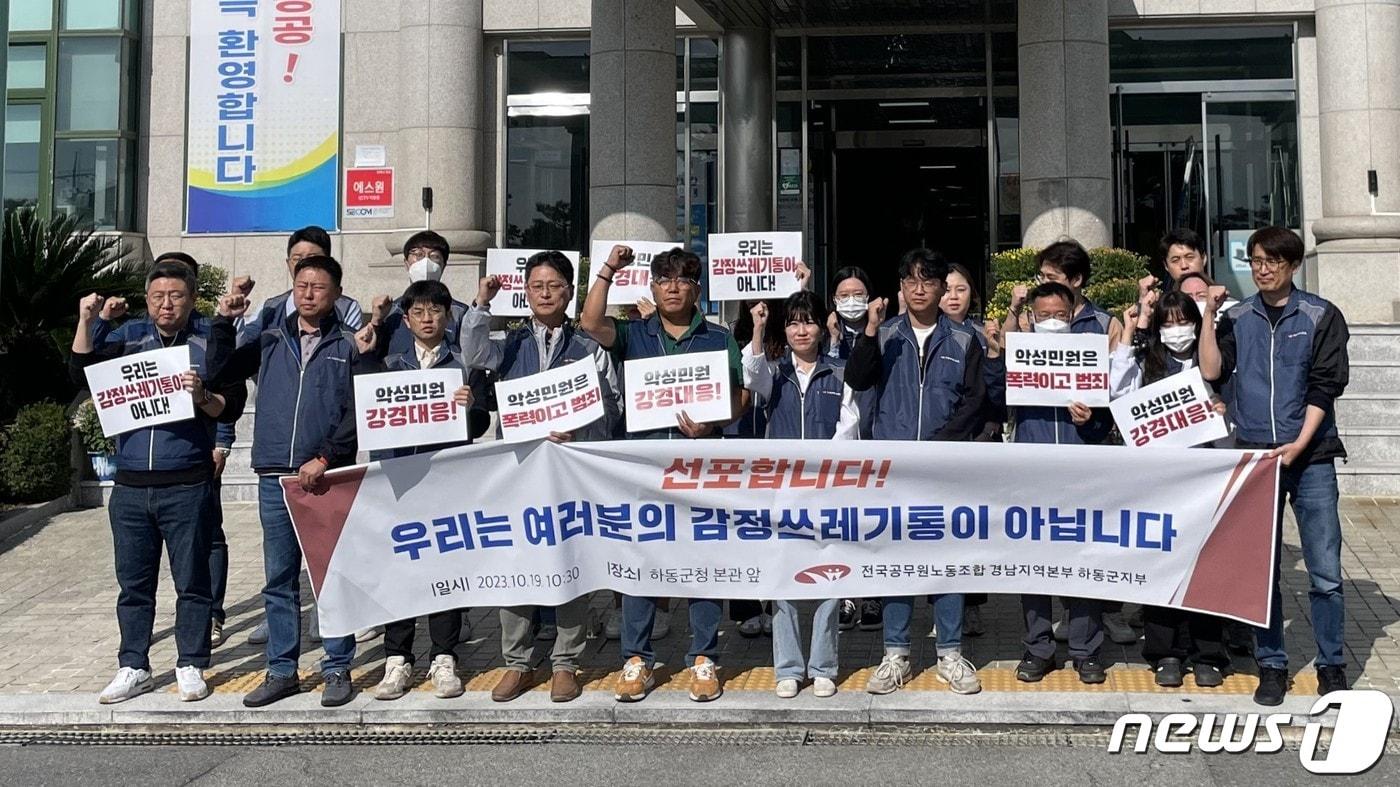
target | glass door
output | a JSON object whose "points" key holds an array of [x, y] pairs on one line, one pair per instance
{"points": [[1157, 168]]}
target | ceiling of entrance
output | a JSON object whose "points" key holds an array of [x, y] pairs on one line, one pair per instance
{"points": [[828, 13]]}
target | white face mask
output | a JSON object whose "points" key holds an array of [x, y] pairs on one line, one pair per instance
{"points": [[1052, 325], [1178, 338], [852, 307], [424, 270]]}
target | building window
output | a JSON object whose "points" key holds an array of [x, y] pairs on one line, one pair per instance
{"points": [[71, 91]]}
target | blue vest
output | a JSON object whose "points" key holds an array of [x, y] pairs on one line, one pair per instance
{"points": [[914, 401], [794, 415]]}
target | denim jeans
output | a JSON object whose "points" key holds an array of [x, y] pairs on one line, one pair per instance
{"points": [[639, 613], [218, 552], [1312, 490], [282, 593], [142, 518], [787, 639], [947, 619]]}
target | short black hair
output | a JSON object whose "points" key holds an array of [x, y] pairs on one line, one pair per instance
{"points": [[1193, 275], [676, 263], [181, 257], [427, 239], [174, 270], [1068, 257], [320, 263], [1181, 236], [923, 263], [850, 272], [552, 259], [1278, 242], [434, 292], [311, 234], [805, 303], [1050, 289]]}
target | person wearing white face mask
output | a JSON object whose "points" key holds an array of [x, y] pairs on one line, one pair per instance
{"points": [[424, 259], [850, 297]]}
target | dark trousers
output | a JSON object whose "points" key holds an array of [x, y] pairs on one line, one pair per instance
{"points": [[218, 552], [742, 609], [1178, 634], [143, 518], [1085, 627], [444, 629]]}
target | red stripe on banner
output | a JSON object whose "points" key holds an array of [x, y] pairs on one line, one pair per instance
{"points": [[319, 519], [1230, 577]]}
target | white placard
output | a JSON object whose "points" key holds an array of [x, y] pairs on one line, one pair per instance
{"points": [[141, 390], [1057, 369], [412, 408], [658, 389], [509, 264], [754, 265], [1175, 412], [633, 282], [370, 156], [557, 400]]}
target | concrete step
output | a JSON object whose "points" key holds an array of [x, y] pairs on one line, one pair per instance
{"points": [[1374, 343], [1372, 444], [1368, 409], [1374, 377], [1369, 480]]}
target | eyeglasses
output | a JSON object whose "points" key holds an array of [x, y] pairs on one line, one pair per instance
{"points": [[666, 282], [541, 287], [420, 313], [175, 298], [1267, 263], [432, 254], [920, 284]]}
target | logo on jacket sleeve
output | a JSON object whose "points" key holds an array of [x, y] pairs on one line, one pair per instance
{"points": [[824, 574]]}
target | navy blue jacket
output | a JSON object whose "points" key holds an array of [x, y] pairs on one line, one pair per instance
{"points": [[1053, 424], [1279, 370], [794, 415], [478, 417], [994, 374], [395, 337], [938, 399]]}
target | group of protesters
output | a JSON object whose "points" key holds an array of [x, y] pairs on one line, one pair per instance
{"points": [[927, 365]]}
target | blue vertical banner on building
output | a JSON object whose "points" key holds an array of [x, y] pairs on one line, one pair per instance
{"points": [[263, 109]]}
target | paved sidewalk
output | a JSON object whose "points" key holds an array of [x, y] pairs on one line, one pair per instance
{"points": [[58, 636]]}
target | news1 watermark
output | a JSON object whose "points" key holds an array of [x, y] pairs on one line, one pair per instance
{"points": [[1357, 743]]}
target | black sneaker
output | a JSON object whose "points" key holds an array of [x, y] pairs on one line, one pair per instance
{"points": [[872, 614], [1033, 668], [847, 618], [1273, 685], [1208, 676], [1091, 670], [337, 689], [272, 689], [1168, 673], [1331, 678]]}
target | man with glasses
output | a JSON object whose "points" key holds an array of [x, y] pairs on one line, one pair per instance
{"points": [[927, 377], [424, 258], [676, 327], [548, 341], [1286, 352]]}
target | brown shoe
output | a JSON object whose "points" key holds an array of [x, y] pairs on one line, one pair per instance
{"points": [[512, 685], [704, 680], [563, 687], [637, 679]]}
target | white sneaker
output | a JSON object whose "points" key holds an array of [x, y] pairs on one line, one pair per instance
{"points": [[662, 625], [259, 635], [398, 673], [191, 682], [787, 688], [373, 632], [443, 673], [959, 674], [893, 672], [127, 684], [612, 629], [824, 687]]}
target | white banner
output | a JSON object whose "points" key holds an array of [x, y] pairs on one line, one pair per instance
{"points": [[1174, 412], [412, 408], [555, 400], [1057, 369], [136, 391], [754, 265], [509, 265], [787, 519], [659, 389], [633, 282]]}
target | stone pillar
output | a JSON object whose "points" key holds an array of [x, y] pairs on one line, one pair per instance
{"points": [[1066, 155], [1358, 252], [632, 120], [747, 94]]}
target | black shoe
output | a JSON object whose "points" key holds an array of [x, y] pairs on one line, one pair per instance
{"points": [[872, 614], [1273, 684], [1168, 673], [1330, 679], [1091, 671], [337, 689], [1208, 676], [846, 620], [272, 689], [972, 622], [1033, 668], [1239, 638]]}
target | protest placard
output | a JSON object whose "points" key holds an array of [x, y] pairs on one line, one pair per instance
{"points": [[509, 265], [141, 390], [412, 408], [1057, 369], [1174, 412], [752, 265], [555, 400], [658, 389], [634, 281]]}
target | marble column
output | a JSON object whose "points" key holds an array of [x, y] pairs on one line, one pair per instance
{"points": [[747, 68]]}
